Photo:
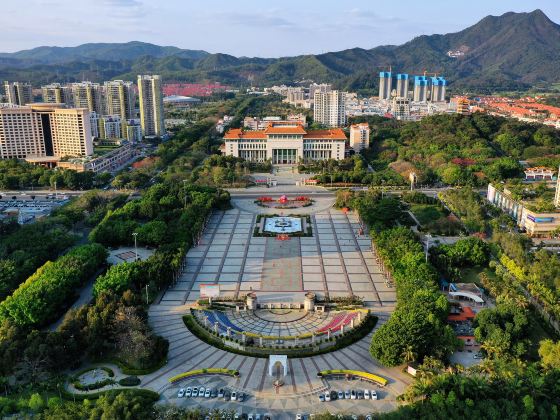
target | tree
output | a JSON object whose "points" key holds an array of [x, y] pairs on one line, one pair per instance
{"points": [[36, 403], [118, 278], [549, 351]]}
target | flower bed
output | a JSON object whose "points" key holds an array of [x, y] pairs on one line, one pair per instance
{"points": [[364, 375], [198, 372]]}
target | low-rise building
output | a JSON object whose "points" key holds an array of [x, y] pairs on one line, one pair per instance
{"points": [[108, 162], [539, 173], [536, 223], [285, 143]]}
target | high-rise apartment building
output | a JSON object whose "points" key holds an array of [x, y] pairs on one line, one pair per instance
{"points": [[359, 136], [402, 85], [330, 108], [420, 89], [88, 95], [150, 93], [400, 108], [55, 93], [18, 93], [314, 87], [120, 100], [437, 92], [44, 130], [385, 84]]}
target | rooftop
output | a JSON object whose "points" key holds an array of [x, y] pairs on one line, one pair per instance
{"points": [[285, 127]]}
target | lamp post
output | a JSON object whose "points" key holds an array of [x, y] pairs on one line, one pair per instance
{"points": [[428, 237], [135, 234], [185, 192]]}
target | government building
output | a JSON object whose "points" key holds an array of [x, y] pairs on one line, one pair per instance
{"points": [[285, 143]]}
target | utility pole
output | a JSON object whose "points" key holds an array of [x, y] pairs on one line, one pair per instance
{"points": [[428, 237], [185, 192], [147, 300]]}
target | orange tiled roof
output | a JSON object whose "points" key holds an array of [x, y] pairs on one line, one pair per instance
{"points": [[284, 129], [332, 134]]}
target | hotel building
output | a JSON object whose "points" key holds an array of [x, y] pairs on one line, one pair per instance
{"points": [[285, 143], [43, 131]]}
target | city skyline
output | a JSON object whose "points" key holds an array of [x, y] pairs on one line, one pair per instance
{"points": [[245, 28]]}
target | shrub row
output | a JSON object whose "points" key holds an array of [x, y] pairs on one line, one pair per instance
{"points": [[44, 295]]}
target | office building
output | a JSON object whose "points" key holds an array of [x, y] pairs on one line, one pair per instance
{"points": [[44, 131], [285, 143], [359, 136], [55, 93], [330, 108], [402, 85], [420, 89], [385, 84], [88, 95], [437, 92], [18, 93], [151, 105]]}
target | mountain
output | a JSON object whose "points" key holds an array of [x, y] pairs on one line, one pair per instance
{"points": [[511, 51]]}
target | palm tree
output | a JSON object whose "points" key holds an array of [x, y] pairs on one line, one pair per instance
{"points": [[408, 354]]}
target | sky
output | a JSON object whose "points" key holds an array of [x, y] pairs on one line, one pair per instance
{"points": [[245, 27]]}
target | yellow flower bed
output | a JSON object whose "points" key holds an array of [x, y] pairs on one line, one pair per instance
{"points": [[366, 375], [209, 371]]}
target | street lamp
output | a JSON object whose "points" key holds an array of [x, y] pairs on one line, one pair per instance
{"points": [[428, 237], [135, 234], [185, 192]]}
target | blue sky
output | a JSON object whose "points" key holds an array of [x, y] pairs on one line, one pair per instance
{"points": [[245, 27]]}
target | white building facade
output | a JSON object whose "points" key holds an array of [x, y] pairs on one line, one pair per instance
{"points": [[285, 143]]}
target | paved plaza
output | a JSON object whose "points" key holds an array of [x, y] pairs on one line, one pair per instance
{"points": [[336, 261]]}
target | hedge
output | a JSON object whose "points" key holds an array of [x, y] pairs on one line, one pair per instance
{"points": [[209, 371], [43, 297], [346, 340], [134, 392], [130, 381], [97, 385], [366, 375]]}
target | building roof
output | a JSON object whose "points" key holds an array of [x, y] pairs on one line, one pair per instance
{"points": [[179, 99], [285, 128], [466, 314]]}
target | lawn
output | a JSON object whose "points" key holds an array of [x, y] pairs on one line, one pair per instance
{"points": [[427, 213], [471, 274]]}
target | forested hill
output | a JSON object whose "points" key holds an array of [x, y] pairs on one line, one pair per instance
{"points": [[515, 50]]}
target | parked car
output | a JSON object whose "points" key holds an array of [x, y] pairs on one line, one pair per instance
{"points": [[236, 416], [258, 417], [340, 395], [373, 394], [322, 397], [227, 396], [347, 394], [353, 394], [478, 355], [334, 395], [367, 395], [241, 397], [221, 393], [251, 415], [181, 393], [360, 395], [234, 396], [201, 391], [213, 393], [327, 396], [299, 417], [188, 393], [195, 392], [207, 393]]}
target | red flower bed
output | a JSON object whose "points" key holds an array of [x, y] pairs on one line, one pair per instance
{"points": [[301, 198], [264, 199]]}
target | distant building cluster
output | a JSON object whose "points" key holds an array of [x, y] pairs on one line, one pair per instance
{"points": [[74, 117], [524, 109]]}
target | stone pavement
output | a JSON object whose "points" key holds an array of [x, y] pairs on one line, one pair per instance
{"points": [[336, 261]]}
